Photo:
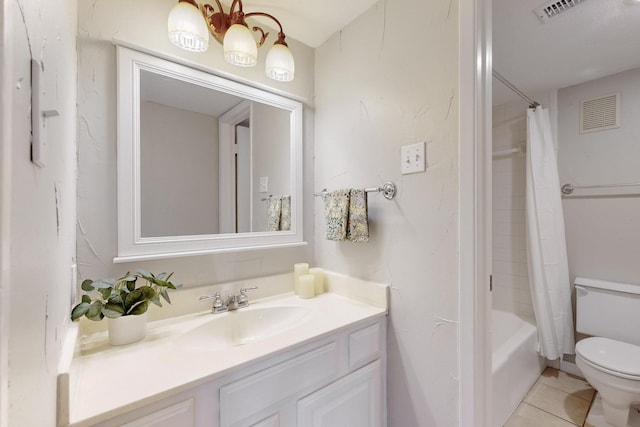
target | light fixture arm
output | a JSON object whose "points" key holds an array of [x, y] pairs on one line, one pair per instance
{"points": [[219, 22], [281, 35], [233, 7]]}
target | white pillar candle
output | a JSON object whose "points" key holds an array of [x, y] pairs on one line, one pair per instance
{"points": [[298, 270], [318, 279], [306, 286]]}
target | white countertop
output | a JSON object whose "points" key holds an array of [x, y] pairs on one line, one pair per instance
{"points": [[105, 381]]}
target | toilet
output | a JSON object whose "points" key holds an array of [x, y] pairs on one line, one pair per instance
{"points": [[610, 359]]}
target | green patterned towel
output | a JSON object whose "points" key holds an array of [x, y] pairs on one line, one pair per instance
{"points": [[274, 212], [358, 228], [336, 211], [285, 217]]}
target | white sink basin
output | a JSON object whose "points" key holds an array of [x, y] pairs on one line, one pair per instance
{"points": [[242, 326]]}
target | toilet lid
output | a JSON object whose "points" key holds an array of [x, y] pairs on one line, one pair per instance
{"points": [[613, 355]]}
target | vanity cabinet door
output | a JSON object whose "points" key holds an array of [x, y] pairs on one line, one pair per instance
{"points": [[267, 392], [353, 401]]}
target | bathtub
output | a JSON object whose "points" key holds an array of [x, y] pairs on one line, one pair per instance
{"points": [[516, 365]]}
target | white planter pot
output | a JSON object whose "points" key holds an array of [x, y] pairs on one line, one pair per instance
{"points": [[127, 329]]}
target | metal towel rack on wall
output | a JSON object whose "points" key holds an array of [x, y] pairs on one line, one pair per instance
{"points": [[570, 188], [520, 150], [388, 190]]}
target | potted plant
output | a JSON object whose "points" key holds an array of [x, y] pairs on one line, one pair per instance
{"points": [[124, 302]]}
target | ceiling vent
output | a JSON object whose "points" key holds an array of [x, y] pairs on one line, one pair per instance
{"points": [[600, 113], [552, 9]]}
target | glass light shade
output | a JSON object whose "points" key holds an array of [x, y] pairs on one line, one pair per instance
{"points": [[187, 28], [240, 47], [280, 65]]}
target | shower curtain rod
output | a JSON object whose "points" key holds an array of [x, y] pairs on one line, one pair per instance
{"points": [[532, 102]]}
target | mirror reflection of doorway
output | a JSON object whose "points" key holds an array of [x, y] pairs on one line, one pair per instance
{"points": [[242, 172], [235, 169]]}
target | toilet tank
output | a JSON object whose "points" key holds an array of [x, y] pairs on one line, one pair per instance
{"points": [[608, 309]]}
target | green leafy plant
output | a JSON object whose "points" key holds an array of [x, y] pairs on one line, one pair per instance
{"points": [[126, 296]]}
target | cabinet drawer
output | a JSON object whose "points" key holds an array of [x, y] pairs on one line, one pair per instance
{"points": [[267, 388], [272, 421], [179, 414], [364, 346]]}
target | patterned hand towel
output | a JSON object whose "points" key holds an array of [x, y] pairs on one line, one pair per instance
{"points": [[274, 211], [358, 230], [285, 217], [336, 211]]}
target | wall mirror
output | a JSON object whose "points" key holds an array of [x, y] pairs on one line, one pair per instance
{"points": [[205, 164]]}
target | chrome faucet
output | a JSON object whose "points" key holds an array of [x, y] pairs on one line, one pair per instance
{"points": [[233, 302], [218, 305]]}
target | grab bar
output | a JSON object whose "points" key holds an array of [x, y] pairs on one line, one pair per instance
{"points": [[570, 188]]}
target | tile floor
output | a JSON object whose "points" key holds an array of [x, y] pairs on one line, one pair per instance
{"points": [[557, 399]]}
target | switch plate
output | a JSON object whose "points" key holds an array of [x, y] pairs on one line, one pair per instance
{"points": [[264, 184], [39, 135], [38, 115], [74, 283], [412, 158]]}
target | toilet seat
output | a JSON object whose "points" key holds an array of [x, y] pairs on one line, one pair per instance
{"points": [[615, 357]]}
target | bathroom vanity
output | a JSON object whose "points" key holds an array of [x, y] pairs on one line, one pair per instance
{"points": [[283, 361]]}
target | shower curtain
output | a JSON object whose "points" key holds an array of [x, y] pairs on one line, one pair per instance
{"points": [[546, 244]]}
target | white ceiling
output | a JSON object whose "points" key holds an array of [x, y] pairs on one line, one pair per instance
{"points": [[310, 21], [595, 39], [185, 96]]}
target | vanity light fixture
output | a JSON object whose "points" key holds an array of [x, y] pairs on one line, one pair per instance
{"points": [[190, 22]]}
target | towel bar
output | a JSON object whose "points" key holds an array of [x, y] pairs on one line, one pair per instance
{"points": [[388, 190], [569, 188]]}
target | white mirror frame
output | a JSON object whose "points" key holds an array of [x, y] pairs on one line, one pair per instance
{"points": [[131, 245]]}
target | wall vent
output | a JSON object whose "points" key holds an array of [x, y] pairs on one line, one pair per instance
{"points": [[600, 113], [552, 9]]}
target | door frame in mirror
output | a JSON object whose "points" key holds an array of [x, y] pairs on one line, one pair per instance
{"points": [[132, 245], [227, 135]]}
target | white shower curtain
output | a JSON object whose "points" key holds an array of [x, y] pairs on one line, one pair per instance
{"points": [[546, 244]]}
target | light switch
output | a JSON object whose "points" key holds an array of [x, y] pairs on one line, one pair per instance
{"points": [[74, 282], [412, 158], [264, 184], [38, 116]]}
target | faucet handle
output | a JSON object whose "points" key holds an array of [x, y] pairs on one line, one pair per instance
{"points": [[242, 300], [218, 305]]}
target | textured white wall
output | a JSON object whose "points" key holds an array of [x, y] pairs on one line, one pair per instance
{"points": [[5, 207], [603, 227], [41, 236], [510, 274], [388, 79], [145, 23]]}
